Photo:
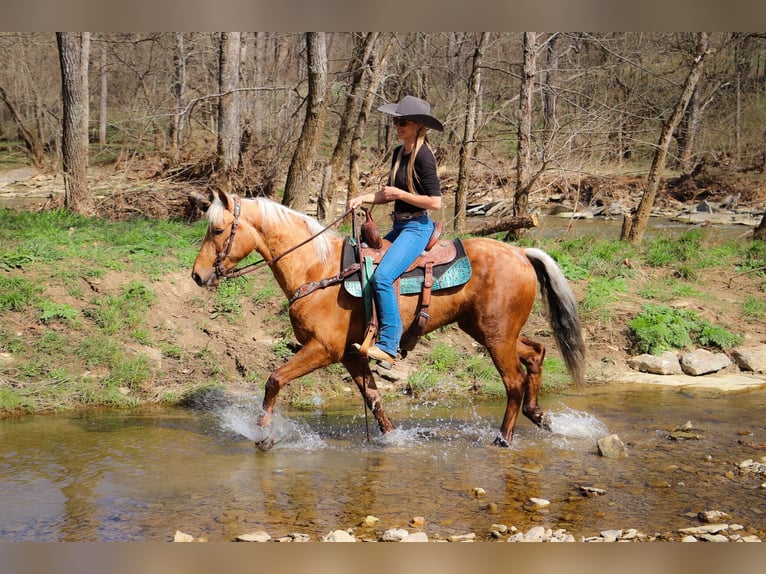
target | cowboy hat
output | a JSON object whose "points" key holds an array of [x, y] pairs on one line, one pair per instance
{"points": [[415, 109]]}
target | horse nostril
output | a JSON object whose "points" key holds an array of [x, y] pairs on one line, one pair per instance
{"points": [[197, 278]]}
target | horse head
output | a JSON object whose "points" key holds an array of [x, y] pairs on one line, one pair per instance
{"points": [[226, 241]]}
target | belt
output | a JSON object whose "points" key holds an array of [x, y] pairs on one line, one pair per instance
{"points": [[407, 215]]}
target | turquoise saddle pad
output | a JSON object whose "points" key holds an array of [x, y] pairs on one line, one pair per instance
{"points": [[451, 274]]}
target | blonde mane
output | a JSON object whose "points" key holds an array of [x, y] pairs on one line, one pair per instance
{"points": [[273, 213]]}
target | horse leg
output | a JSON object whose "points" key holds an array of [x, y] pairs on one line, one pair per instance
{"points": [[514, 379], [310, 357], [531, 353], [359, 369]]}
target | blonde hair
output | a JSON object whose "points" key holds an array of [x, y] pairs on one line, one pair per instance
{"points": [[422, 140]]}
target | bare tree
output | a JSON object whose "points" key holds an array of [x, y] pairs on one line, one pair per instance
{"points": [[467, 147], [364, 45], [297, 184], [633, 227], [30, 137], [103, 95], [759, 234], [177, 121], [73, 55], [228, 104], [377, 68], [524, 178]]}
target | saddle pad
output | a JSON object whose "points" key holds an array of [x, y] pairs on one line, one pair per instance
{"points": [[451, 274]]}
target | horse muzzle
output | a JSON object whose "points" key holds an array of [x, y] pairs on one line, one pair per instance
{"points": [[209, 281]]}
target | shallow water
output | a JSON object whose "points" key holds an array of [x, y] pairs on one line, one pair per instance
{"points": [[141, 476]]}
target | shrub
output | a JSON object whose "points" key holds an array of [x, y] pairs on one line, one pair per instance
{"points": [[659, 328]]}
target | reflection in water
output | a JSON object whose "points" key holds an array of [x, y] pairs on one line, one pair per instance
{"points": [[142, 476]]}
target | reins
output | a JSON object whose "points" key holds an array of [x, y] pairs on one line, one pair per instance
{"points": [[221, 271]]}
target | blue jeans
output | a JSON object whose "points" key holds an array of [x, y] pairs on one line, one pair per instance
{"points": [[409, 239]]}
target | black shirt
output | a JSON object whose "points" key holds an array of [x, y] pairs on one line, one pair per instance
{"points": [[426, 182]]}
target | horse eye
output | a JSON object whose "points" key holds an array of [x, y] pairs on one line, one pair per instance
{"points": [[217, 230]]}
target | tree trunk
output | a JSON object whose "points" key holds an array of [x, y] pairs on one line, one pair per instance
{"points": [[523, 164], [365, 46], [550, 90], [469, 132], [31, 139], [634, 226], [297, 185], [102, 101], [73, 57], [377, 68], [228, 104], [759, 234], [179, 89], [687, 132], [509, 224]]}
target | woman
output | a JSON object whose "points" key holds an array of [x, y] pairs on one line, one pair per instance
{"points": [[414, 187]]}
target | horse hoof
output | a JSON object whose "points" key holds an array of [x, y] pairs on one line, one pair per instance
{"points": [[545, 423], [501, 442], [265, 444]]}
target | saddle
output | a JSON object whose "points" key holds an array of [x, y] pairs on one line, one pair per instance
{"points": [[443, 266]]}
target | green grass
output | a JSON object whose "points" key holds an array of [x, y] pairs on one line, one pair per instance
{"points": [[115, 313], [660, 328], [17, 293]]}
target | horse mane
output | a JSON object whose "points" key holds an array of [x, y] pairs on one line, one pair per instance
{"points": [[273, 213]]}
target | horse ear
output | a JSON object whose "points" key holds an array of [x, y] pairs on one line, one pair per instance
{"points": [[199, 200], [225, 199]]}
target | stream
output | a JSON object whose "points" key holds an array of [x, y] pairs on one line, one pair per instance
{"points": [[143, 475]]}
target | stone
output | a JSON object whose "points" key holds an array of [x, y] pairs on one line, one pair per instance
{"points": [[370, 521], [478, 492], [182, 537], [417, 521], [535, 534], [470, 537], [712, 516], [750, 358], [612, 447], [257, 536], [394, 535], [704, 529], [416, 537], [665, 364], [540, 502], [701, 362], [339, 536]]}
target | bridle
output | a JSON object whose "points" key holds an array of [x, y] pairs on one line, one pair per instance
{"points": [[220, 268]]}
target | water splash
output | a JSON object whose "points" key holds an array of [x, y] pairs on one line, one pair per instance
{"points": [[242, 419], [570, 427]]}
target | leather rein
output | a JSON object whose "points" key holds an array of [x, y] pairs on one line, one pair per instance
{"points": [[220, 269]]}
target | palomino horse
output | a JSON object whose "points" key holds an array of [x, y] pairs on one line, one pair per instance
{"points": [[492, 307]]}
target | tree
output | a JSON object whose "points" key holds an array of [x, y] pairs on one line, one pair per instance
{"points": [[524, 179], [377, 68], [364, 44], [228, 104], [31, 138], [177, 121], [633, 227], [467, 147], [73, 55], [759, 234], [297, 184]]}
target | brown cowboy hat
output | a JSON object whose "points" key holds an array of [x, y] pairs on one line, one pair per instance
{"points": [[415, 109]]}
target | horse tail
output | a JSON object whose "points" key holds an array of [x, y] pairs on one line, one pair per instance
{"points": [[562, 311]]}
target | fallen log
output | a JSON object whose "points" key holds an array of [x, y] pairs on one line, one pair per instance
{"points": [[503, 224]]}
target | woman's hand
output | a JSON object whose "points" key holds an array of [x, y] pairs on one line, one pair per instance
{"points": [[355, 202]]}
